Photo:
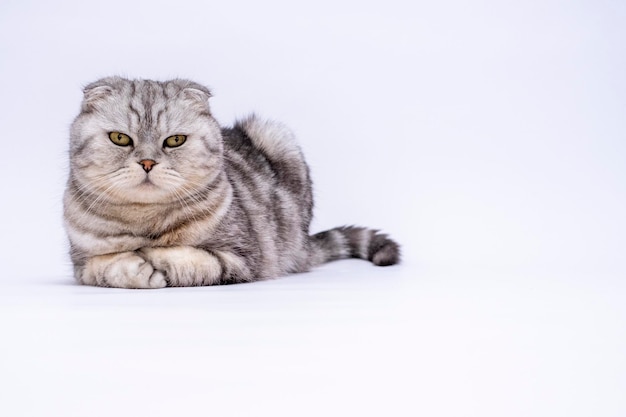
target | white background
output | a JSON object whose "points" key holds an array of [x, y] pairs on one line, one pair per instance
{"points": [[487, 137]]}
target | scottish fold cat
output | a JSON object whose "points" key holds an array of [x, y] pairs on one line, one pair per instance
{"points": [[159, 194]]}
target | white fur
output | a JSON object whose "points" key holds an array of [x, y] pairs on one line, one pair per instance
{"points": [[363, 242], [93, 245], [184, 265], [342, 243], [122, 270]]}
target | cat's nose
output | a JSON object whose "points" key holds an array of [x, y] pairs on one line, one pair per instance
{"points": [[147, 164]]}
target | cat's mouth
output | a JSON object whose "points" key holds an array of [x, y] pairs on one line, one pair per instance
{"points": [[147, 182]]}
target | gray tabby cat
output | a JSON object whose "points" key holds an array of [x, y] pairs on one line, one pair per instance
{"points": [[160, 195]]}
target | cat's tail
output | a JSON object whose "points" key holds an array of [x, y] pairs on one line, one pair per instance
{"points": [[354, 242]]}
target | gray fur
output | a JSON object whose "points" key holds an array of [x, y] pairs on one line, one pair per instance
{"points": [[229, 205]]}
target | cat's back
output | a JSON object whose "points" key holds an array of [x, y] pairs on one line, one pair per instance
{"points": [[272, 190], [264, 150]]}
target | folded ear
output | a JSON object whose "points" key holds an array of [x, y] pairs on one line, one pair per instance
{"points": [[197, 94], [194, 91], [97, 91]]}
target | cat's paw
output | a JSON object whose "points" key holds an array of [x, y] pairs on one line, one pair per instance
{"points": [[122, 270], [158, 280], [184, 265]]}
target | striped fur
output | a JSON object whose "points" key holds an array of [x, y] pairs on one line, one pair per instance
{"points": [[229, 205]]}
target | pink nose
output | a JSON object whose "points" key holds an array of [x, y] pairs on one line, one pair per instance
{"points": [[147, 164]]}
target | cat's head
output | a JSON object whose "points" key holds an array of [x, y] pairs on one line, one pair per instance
{"points": [[142, 141]]}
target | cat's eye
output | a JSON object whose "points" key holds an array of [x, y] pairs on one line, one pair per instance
{"points": [[174, 141], [120, 139]]}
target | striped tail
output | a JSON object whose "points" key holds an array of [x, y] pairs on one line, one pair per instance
{"points": [[354, 242]]}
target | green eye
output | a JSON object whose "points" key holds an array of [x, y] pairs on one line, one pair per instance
{"points": [[120, 139], [174, 141]]}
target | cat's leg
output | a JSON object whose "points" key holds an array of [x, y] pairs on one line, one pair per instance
{"points": [[121, 270], [185, 266]]}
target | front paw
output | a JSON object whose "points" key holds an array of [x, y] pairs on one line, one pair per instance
{"points": [[122, 270], [184, 265]]}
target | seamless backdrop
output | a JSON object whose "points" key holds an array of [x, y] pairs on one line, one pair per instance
{"points": [[488, 137]]}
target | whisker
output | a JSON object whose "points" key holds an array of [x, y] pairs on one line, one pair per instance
{"points": [[89, 189]]}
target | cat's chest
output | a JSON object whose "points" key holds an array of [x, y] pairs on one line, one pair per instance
{"points": [[123, 228], [128, 238], [170, 230], [162, 228]]}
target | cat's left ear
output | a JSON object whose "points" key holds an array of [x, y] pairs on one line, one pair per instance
{"points": [[195, 92]]}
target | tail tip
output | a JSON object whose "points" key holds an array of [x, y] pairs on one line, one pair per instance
{"points": [[386, 254]]}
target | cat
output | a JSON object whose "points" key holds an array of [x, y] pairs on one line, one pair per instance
{"points": [[160, 195]]}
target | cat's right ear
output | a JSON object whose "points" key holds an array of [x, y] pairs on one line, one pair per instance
{"points": [[95, 92]]}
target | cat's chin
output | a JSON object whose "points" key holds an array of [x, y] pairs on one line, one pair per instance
{"points": [[148, 193]]}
